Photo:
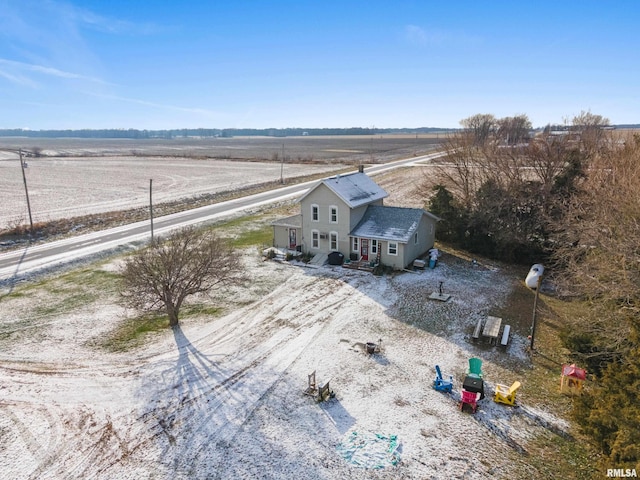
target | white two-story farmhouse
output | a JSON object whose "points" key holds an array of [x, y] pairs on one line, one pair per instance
{"points": [[346, 214]]}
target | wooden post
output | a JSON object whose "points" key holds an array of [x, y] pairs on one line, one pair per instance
{"points": [[535, 309], [26, 191], [282, 166]]}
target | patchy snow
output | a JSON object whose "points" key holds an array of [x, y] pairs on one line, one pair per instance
{"points": [[67, 187], [222, 397]]}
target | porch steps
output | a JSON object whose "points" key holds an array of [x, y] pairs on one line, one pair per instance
{"points": [[319, 259]]}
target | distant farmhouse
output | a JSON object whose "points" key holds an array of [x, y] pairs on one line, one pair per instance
{"points": [[346, 214]]}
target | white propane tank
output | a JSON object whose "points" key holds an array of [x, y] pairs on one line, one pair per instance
{"points": [[534, 274]]}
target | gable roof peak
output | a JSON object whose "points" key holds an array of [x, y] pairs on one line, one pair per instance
{"points": [[355, 188]]}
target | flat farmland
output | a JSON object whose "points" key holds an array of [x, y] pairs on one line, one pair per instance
{"points": [[74, 177]]}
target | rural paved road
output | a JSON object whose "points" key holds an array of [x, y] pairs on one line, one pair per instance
{"points": [[29, 259]]}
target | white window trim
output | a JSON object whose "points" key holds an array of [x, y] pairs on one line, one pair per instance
{"points": [[389, 248], [355, 244], [331, 236], [331, 209], [374, 246], [315, 239], [317, 207], [415, 238]]}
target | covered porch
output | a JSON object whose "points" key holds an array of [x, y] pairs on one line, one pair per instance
{"points": [[364, 253]]}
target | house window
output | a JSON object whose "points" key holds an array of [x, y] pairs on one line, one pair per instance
{"points": [[334, 214], [374, 247], [315, 213], [392, 248], [333, 236], [415, 238], [315, 239], [355, 244]]}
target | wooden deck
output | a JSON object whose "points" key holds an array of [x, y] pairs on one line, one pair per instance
{"points": [[359, 265]]}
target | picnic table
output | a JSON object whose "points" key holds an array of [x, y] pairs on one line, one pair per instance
{"points": [[492, 328]]}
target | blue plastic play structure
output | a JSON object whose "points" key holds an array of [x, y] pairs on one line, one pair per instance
{"points": [[440, 383]]}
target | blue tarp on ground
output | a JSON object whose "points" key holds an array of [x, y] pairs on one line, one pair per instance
{"points": [[370, 450]]}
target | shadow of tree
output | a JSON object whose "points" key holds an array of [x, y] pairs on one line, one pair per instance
{"points": [[186, 411]]}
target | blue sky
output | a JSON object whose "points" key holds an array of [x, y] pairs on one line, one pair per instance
{"points": [[276, 64]]}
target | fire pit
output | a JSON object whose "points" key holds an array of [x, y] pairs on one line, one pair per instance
{"points": [[474, 385]]}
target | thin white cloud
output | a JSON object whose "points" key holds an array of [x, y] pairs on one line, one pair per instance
{"points": [[88, 19], [17, 67], [164, 106], [18, 79], [46, 41]]}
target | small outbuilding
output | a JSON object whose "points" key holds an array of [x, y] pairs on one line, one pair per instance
{"points": [[572, 378]]}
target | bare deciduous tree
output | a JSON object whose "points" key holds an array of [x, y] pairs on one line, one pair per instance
{"points": [[164, 274], [481, 126], [514, 130], [591, 128], [460, 170], [547, 158]]}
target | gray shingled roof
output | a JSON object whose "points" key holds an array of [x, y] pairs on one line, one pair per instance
{"points": [[355, 189], [294, 221], [396, 224]]}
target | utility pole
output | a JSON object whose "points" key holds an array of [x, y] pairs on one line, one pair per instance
{"points": [[151, 206], [282, 166], [371, 149], [26, 191]]}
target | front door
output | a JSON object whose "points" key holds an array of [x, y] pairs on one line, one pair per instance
{"points": [[364, 249], [292, 238]]}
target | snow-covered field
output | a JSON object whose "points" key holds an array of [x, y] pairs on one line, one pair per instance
{"points": [[222, 397], [67, 187], [80, 176]]}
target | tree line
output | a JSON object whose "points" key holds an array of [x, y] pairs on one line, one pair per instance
{"points": [[133, 133], [571, 201]]}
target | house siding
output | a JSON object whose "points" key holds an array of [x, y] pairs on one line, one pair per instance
{"points": [[280, 237], [325, 198], [394, 261], [426, 238]]}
